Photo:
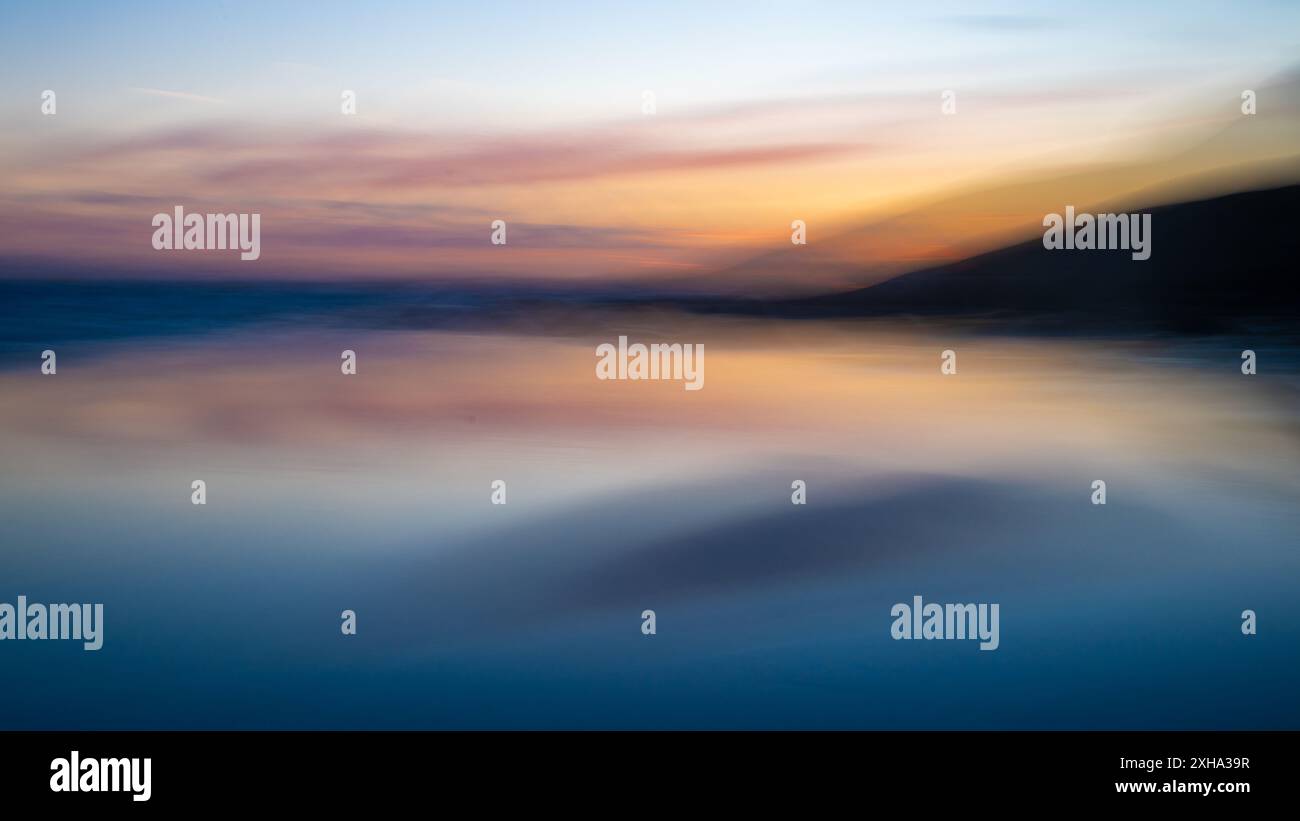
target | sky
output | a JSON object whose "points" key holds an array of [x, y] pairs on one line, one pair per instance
{"points": [[764, 113]]}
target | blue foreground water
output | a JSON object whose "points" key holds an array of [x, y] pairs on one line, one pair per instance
{"points": [[372, 493]]}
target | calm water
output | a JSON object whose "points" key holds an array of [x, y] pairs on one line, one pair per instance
{"points": [[371, 493]]}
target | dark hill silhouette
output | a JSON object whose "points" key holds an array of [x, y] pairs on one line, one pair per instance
{"points": [[1212, 261], [1216, 265]]}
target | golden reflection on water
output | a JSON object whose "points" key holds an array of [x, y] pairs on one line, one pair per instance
{"points": [[867, 398]]}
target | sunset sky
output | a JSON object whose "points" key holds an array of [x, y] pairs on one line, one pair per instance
{"points": [[825, 112]]}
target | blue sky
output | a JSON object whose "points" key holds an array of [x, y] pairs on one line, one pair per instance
{"points": [[589, 59]]}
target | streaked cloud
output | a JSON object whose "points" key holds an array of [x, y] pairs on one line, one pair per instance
{"points": [[1004, 22], [179, 95]]}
